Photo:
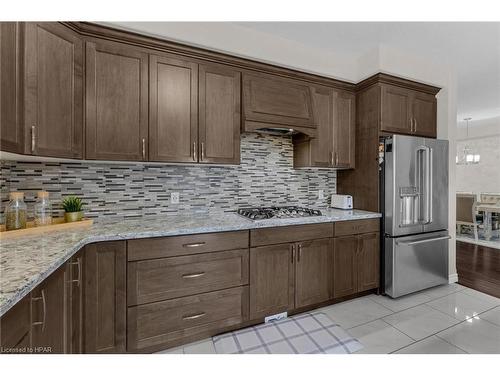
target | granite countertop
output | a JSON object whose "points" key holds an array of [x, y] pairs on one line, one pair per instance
{"points": [[26, 262]]}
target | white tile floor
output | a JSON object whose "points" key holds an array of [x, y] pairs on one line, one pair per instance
{"points": [[445, 320]]}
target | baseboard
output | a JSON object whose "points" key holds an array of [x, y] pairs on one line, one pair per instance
{"points": [[453, 278]]}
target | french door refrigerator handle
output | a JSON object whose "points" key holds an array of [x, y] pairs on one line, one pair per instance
{"points": [[411, 243]]}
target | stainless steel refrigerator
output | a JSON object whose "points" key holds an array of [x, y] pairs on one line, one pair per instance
{"points": [[414, 198]]}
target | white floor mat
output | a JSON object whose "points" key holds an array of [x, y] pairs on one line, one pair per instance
{"points": [[309, 333]]}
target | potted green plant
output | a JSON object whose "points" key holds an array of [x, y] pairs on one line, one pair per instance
{"points": [[73, 209]]}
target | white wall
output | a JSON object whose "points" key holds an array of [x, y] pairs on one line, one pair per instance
{"points": [[266, 47]]}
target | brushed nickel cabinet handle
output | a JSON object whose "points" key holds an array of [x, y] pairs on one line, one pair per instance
{"points": [[33, 139], [194, 244], [191, 317], [78, 280], [293, 252], [192, 275], [336, 158], [411, 124], [414, 125], [143, 148], [299, 253], [194, 151], [331, 159], [202, 151], [44, 306]]}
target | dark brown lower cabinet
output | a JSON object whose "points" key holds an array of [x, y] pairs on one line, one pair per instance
{"points": [[271, 280], [368, 262], [356, 264], [15, 328], [105, 297], [313, 272], [75, 305], [172, 322], [49, 314]]}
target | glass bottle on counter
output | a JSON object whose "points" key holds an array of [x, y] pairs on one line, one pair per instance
{"points": [[15, 212], [43, 209]]}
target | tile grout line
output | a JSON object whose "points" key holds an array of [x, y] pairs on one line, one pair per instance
{"points": [[444, 329]]}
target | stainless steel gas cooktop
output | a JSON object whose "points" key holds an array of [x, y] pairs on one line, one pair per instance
{"points": [[259, 213]]}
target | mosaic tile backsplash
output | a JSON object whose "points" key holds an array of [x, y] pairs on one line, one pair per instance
{"points": [[264, 177]]}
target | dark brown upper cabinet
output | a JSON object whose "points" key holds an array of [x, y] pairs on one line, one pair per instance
{"points": [[173, 109], [333, 146], [273, 102], [424, 114], [116, 102], [11, 128], [400, 106], [53, 90], [219, 114], [41, 90], [344, 130]]}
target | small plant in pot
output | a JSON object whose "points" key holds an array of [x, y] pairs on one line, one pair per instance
{"points": [[73, 209]]}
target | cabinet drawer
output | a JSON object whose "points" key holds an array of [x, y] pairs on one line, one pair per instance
{"points": [[345, 228], [293, 233], [160, 279], [173, 322], [150, 248]]}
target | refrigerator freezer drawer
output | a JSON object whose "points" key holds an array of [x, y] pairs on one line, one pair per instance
{"points": [[414, 263]]}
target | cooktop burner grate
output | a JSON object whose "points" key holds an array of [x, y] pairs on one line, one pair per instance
{"points": [[274, 212]]}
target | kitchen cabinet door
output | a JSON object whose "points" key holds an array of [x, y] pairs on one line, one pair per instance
{"points": [[75, 305], [173, 109], [53, 90], [395, 109], [105, 297], [313, 272], [345, 266], [368, 263], [322, 146], [219, 114], [49, 314], [15, 328], [344, 130], [424, 114], [11, 128], [271, 280], [116, 102]]}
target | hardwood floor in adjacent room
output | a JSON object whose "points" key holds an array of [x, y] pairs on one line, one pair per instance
{"points": [[478, 267]]}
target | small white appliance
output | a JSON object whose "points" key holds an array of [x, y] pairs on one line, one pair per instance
{"points": [[341, 201]]}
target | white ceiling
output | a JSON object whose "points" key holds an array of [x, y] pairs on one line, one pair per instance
{"points": [[472, 48]]}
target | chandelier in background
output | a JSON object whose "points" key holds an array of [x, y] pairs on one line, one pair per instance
{"points": [[467, 156]]}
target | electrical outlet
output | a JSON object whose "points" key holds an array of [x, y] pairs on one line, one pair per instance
{"points": [[321, 194], [174, 198], [275, 317]]}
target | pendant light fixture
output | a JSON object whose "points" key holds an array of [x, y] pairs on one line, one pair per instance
{"points": [[467, 156]]}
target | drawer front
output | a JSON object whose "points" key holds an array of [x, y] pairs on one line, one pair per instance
{"points": [[173, 322], [150, 248], [160, 279], [346, 228], [293, 233]]}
